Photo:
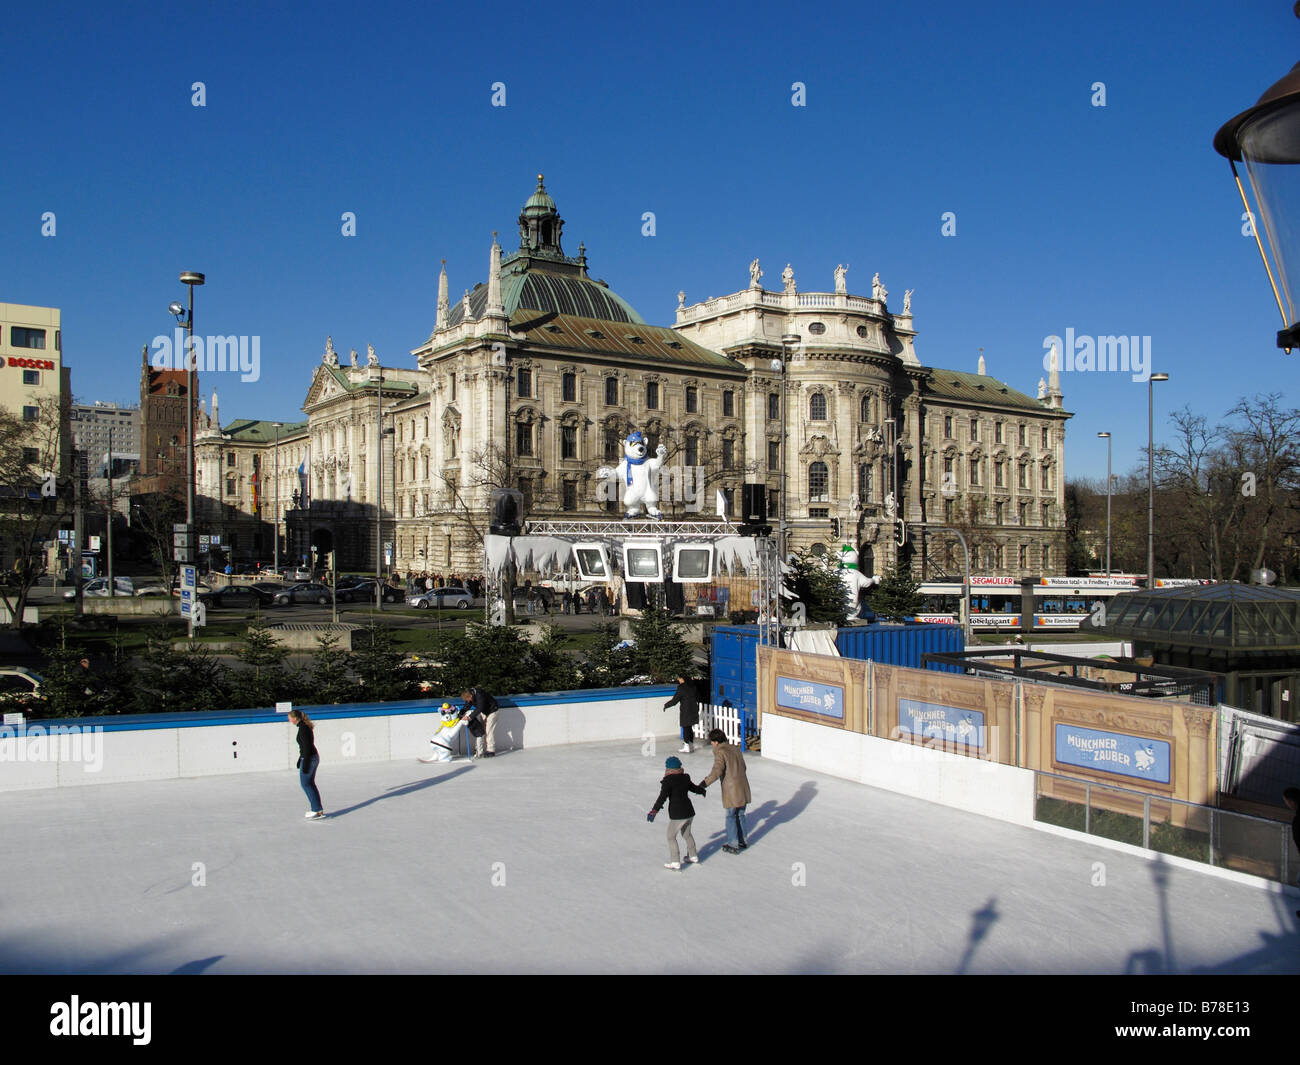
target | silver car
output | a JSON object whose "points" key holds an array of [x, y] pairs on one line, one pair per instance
{"points": [[440, 598]]}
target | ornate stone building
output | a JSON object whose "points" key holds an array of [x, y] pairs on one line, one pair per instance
{"points": [[533, 377]]}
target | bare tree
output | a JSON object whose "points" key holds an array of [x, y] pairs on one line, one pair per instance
{"points": [[36, 497]]}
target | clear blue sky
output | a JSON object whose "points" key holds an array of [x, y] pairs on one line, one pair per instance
{"points": [[1114, 220]]}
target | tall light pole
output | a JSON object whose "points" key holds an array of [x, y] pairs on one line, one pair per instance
{"points": [[1106, 436], [191, 279], [1151, 483], [275, 505]]}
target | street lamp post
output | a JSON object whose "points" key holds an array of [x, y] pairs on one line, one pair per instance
{"points": [[1151, 489], [191, 279], [1107, 438], [787, 341], [275, 505], [965, 628]]}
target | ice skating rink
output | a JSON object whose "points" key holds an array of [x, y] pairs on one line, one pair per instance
{"points": [[542, 861]]}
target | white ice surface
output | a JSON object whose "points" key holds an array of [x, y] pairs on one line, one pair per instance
{"points": [[399, 879]]}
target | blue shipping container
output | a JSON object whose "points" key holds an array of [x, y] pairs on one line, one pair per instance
{"points": [[735, 679]]}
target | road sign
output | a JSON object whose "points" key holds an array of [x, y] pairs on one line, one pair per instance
{"points": [[94, 543], [189, 591]]}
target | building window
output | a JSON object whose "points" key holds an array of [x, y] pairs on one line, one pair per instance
{"points": [[819, 481], [611, 391], [31, 377], [230, 458], [1047, 514], [523, 438], [865, 486], [997, 432], [819, 512], [728, 454], [1047, 558], [948, 474], [1044, 438], [1024, 476], [774, 406], [1024, 435], [999, 474], [1024, 513], [525, 383], [31, 414], [569, 387], [728, 404], [774, 454], [230, 486], [997, 556], [692, 400], [975, 471], [1024, 556], [816, 328], [974, 429], [613, 446], [817, 407], [947, 426], [1045, 478], [864, 409], [568, 442], [997, 513], [692, 451], [570, 501], [526, 490], [22, 337], [453, 388], [947, 510], [652, 395]]}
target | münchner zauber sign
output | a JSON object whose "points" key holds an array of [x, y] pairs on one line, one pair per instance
{"points": [[1113, 752], [824, 699], [949, 724]]}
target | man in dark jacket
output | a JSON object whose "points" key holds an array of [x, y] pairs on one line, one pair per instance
{"points": [[480, 711], [675, 789], [688, 714]]}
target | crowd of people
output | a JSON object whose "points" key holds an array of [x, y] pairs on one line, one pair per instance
{"points": [[427, 582]]}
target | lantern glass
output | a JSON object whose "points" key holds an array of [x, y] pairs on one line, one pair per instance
{"points": [[1270, 149]]}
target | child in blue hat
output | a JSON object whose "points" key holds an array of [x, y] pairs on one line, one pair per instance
{"points": [[675, 789]]}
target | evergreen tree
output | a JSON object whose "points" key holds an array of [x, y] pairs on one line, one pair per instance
{"points": [[174, 681], [376, 665], [554, 669], [329, 680], [267, 678], [659, 648], [898, 595], [816, 584], [66, 686], [496, 658], [607, 665]]}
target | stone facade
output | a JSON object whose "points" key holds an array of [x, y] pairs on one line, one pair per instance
{"points": [[532, 379]]}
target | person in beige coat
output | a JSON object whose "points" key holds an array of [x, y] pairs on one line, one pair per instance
{"points": [[729, 767]]}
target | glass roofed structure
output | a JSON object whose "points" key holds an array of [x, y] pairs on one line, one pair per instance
{"points": [[1249, 633]]}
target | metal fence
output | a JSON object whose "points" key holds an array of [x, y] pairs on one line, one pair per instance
{"points": [[1223, 838]]}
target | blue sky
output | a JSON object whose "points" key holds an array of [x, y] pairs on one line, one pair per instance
{"points": [[1107, 220]]}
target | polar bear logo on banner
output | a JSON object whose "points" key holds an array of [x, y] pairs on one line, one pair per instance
{"points": [[638, 475]]}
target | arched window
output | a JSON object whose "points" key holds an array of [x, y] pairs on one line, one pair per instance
{"points": [[817, 407], [865, 412], [819, 481]]}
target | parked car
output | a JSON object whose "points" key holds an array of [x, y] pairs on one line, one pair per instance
{"points": [[303, 593], [442, 597], [19, 687], [125, 587], [362, 589], [301, 573], [246, 596]]}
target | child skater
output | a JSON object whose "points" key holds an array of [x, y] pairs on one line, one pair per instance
{"points": [[675, 789]]}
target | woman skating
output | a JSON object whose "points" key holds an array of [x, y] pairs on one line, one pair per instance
{"points": [[308, 763]]}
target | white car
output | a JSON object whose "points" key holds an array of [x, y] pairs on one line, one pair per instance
{"points": [[99, 587], [19, 685]]}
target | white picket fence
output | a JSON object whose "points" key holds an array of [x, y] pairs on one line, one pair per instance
{"points": [[726, 718]]}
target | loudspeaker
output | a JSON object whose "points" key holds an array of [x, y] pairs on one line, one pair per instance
{"points": [[506, 505], [753, 503]]}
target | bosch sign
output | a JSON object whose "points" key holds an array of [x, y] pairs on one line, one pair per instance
{"points": [[28, 364]]}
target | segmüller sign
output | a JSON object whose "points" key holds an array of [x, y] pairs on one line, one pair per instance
{"points": [[811, 697], [1115, 753]]}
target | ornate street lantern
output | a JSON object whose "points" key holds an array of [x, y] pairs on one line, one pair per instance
{"points": [[1266, 138]]}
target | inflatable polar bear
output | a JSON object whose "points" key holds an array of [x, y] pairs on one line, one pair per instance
{"points": [[637, 476]]}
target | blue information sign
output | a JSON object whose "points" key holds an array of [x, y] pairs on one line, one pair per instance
{"points": [[1113, 752], [824, 699], [951, 724]]}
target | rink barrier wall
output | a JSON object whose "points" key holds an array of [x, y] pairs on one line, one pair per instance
{"points": [[65, 752]]}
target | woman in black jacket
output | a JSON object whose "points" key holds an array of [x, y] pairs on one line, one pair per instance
{"points": [[308, 763], [689, 713], [675, 789]]}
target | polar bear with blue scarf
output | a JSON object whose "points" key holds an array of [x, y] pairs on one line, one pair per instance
{"points": [[638, 475]]}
